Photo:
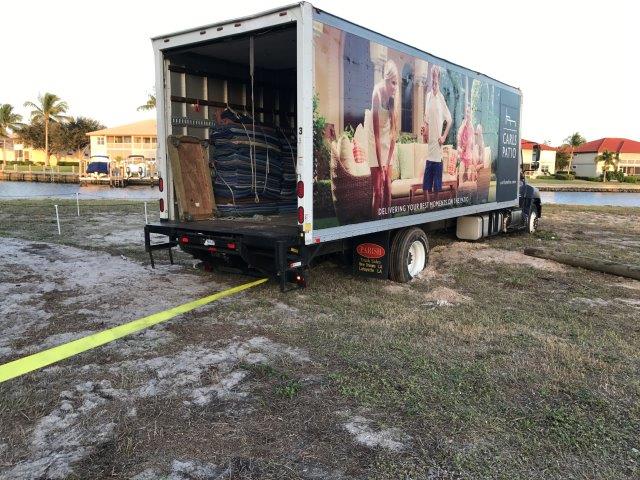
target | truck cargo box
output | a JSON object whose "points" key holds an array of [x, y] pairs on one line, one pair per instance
{"points": [[331, 129]]}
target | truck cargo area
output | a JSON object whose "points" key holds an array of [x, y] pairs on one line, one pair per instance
{"points": [[238, 94]]}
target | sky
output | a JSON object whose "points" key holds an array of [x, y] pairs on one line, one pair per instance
{"points": [[577, 63]]}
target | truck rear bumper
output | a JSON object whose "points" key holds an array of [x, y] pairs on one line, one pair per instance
{"points": [[273, 250]]}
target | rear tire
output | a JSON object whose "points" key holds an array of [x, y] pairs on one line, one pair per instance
{"points": [[409, 254]]}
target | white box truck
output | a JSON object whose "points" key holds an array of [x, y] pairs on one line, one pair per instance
{"points": [[320, 136]]}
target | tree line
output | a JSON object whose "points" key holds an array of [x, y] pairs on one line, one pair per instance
{"points": [[49, 128]]}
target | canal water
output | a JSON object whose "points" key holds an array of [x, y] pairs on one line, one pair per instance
{"points": [[616, 199], [15, 190], [35, 190]]}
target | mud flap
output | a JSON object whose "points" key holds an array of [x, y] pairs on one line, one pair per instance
{"points": [[371, 255]]}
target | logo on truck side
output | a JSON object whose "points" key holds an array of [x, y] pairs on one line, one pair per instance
{"points": [[370, 250]]}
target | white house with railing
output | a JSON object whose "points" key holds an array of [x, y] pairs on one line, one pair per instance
{"points": [[120, 143]]}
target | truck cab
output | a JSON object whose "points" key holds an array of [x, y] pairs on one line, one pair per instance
{"points": [[529, 196]]}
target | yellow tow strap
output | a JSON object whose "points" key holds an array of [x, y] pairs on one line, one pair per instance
{"points": [[47, 357]]}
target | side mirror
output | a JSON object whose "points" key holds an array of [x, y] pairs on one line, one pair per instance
{"points": [[535, 159]]}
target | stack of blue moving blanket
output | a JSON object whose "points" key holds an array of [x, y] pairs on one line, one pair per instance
{"points": [[254, 174]]}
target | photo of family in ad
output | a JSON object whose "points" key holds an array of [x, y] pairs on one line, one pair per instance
{"points": [[397, 135]]}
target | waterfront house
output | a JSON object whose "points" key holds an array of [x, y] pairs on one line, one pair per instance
{"points": [[628, 152], [132, 140], [12, 150], [547, 158]]}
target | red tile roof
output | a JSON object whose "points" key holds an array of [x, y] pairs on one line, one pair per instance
{"points": [[528, 145], [614, 145], [630, 146]]}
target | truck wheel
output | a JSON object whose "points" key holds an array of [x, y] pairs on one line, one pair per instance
{"points": [[532, 222], [409, 254]]}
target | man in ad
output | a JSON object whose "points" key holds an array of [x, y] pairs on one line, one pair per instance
{"points": [[436, 117]]}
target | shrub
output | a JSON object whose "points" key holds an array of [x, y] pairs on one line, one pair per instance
{"points": [[322, 199], [590, 179], [405, 137], [19, 162], [631, 179], [618, 175], [68, 164], [563, 176]]}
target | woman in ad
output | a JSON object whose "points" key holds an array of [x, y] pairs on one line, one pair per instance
{"points": [[466, 145], [382, 137]]}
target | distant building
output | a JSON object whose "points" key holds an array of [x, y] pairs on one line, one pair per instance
{"points": [[628, 151], [12, 150], [119, 143], [547, 158]]}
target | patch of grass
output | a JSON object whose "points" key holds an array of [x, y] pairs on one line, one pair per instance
{"points": [[283, 385], [546, 235], [288, 389], [260, 370], [514, 380]]}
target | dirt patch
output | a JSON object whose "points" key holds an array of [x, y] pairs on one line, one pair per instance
{"points": [[365, 433], [63, 438], [54, 294], [396, 288], [591, 302], [629, 301], [630, 284], [186, 470], [196, 376], [87, 288], [461, 252], [445, 297], [517, 258]]}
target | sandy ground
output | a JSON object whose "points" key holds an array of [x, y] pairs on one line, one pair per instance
{"points": [[214, 393], [53, 294]]}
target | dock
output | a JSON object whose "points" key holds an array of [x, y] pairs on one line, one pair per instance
{"points": [[42, 176], [115, 178]]}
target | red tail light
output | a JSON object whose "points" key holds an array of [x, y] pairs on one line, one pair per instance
{"points": [[162, 204], [300, 189], [212, 249], [300, 215], [184, 239], [161, 184], [231, 245]]}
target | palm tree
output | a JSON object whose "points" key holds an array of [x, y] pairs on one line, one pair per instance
{"points": [[574, 140], [150, 105], [9, 120], [50, 108], [608, 159]]}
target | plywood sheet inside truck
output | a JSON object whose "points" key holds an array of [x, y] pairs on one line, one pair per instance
{"points": [[191, 177]]}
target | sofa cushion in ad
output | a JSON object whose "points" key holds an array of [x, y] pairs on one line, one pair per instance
{"points": [[401, 188], [360, 137], [395, 166], [420, 160], [406, 160], [348, 161], [448, 178]]}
